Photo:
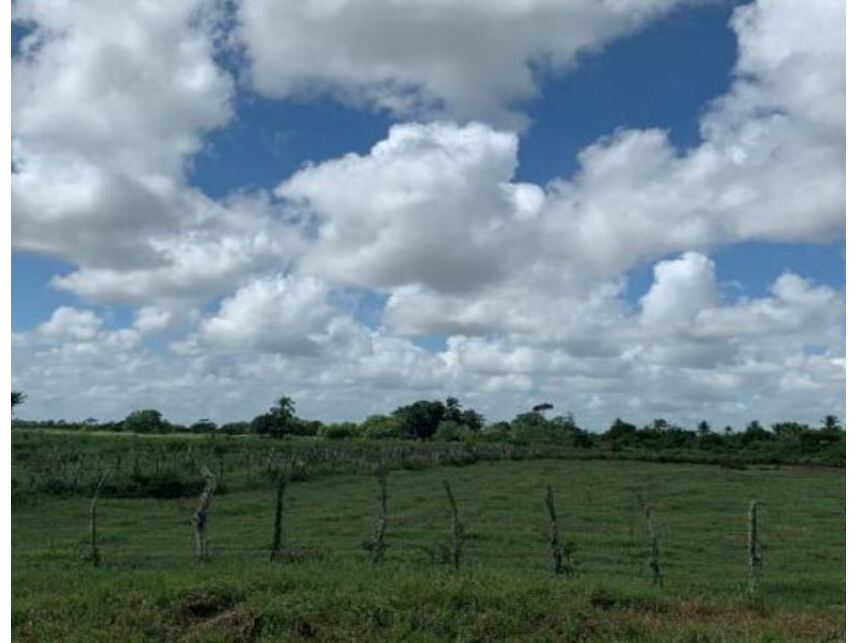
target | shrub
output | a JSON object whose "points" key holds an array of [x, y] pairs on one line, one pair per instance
{"points": [[145, 421], [162, 485], [380, 427], [453, 432], [236, 428], [339, 431]]}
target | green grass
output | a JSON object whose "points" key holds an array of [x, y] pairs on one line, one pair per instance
{"points": [[149, 588]]}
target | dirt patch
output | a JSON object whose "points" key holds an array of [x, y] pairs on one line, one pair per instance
{"points": [[239, 625], [205, 605]]}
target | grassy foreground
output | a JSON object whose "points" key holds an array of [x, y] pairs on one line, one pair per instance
{"points": [[149, 588]]}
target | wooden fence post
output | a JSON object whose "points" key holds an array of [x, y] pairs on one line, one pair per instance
{"points": [[754, 547], [277, 546], [654, 549], [377, 546], [95, 555], [559, 566], [200, 516], [457, 528]]}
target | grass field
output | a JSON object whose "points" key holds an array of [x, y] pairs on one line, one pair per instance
{"points": [[150, 588]]}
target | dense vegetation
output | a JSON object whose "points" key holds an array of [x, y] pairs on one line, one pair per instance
{"points": [[447, 421]]}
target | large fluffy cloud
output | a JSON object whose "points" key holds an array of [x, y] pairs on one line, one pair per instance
{"points": [[277, 314], [110, 102], [770, 166], [773, 357], [430, 204], [217, 247], [469, 59]]}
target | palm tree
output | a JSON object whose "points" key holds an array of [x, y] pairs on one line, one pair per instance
{"points": [[285, 407], [452, 412], [18, 397], [831, 423], [282, 414]]}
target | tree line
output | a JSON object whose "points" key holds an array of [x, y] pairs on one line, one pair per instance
{"points": [[449, 421]]}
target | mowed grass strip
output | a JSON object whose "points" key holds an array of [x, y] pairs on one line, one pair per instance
{"points": [[149, 587]]}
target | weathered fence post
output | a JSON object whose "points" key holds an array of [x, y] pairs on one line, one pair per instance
{"points": [[200, 516], [277, 546], [559, 566], [754, 547], [95, 555], [654, 550], [377, 545], [457, 528]]}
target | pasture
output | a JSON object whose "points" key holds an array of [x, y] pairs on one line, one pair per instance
{"points": [[149, 587]]}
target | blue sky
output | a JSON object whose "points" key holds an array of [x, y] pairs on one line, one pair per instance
{"points": [[663, 76], [272, 145]]}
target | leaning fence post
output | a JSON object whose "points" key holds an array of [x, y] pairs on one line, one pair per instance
{"points": [[277, 546], [559, 566], [95, 555], [200, 516], [377, 545], [654, 550], [754, 547], [457, 528]]}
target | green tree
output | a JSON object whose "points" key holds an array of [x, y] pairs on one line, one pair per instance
{"points": [[565, 422], [473, 420], [280, 419], [421, 419], [285, 407], [18, 398], [532, 427], [452, 412], [621, 431], [145, 421], [265, 424], [659, 425], [703, 428], [831, 423], [755, 432], [789, 431]]}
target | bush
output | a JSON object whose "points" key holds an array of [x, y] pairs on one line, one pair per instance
{"points": [[145, 421], [235, 428], [453, 432], [163, 485], [339, 431], [532, 427], [303, 427], [381, 427]]}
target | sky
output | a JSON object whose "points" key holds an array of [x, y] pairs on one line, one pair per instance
{"points": [[624, 208]]}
